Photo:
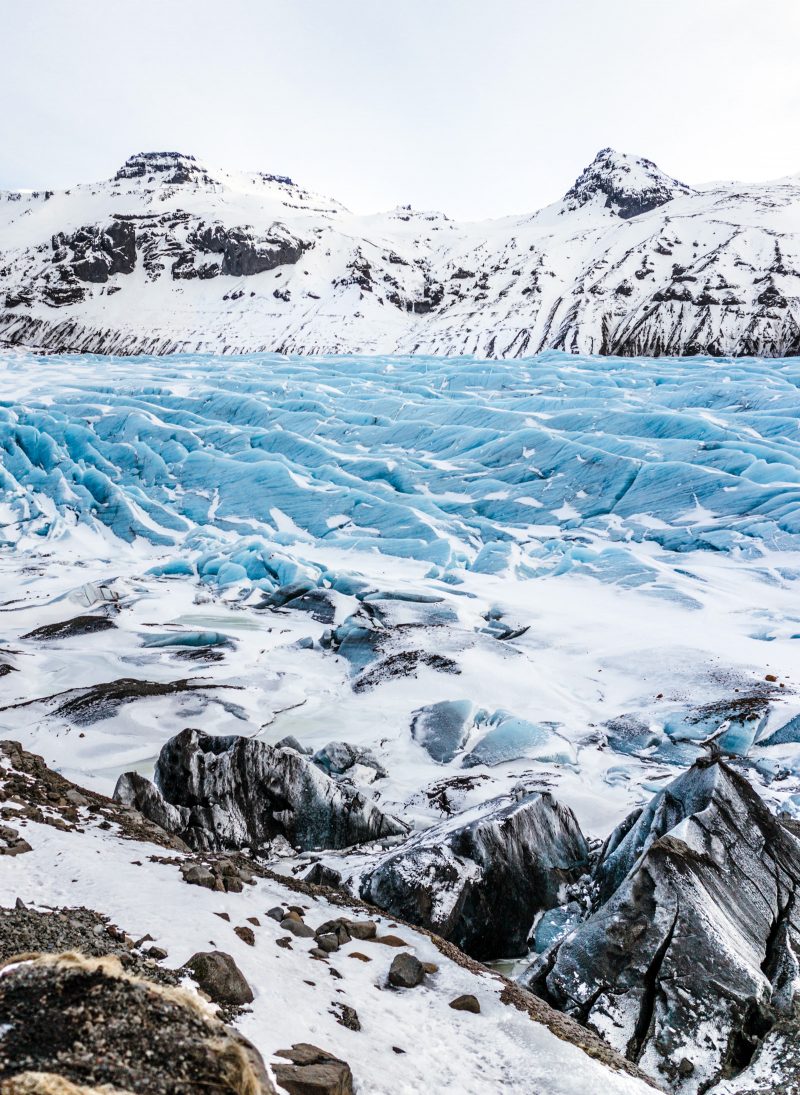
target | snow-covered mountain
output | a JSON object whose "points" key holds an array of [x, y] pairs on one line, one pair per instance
{"points": [[172, 256]]}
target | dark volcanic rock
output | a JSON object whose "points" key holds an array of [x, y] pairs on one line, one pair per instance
{"points": [[691, 954], [84, 1022], [243, 793], [98, 251], [244, 251], [480, 881]]}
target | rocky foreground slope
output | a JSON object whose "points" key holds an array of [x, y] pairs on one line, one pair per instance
{"points": [[172, 256], [125, 958]]}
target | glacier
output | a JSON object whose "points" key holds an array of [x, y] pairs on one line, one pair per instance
{"points": [[593, 560]]}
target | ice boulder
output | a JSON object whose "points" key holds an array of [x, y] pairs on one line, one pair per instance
{"points": [[512, 738], [444, 728], [235, 792], [690, 956], [480, 879]]}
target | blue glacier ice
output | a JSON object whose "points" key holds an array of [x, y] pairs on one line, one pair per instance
{"points": [[556, 464]]}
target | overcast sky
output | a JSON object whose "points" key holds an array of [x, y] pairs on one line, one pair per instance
{"points": [[476, 107]]}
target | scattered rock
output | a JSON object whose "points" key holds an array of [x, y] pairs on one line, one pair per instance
{"points": [[220, 978], [298, 928], [312, 1072], [247, 935], [322, 875], [347, 1016], [406, 971], [467, 1002]]}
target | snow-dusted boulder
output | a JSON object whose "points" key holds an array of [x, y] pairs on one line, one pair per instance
{"points": [[481, 878], [691, 956], [234, 792]]}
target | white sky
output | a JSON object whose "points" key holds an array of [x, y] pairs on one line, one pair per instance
{"points": [[476, 107]]}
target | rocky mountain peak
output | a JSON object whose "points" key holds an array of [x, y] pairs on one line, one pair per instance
{"points": [[163, 167], [630, 185]]}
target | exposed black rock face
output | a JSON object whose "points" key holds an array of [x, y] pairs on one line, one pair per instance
{"points": [[245, 252], [83, 1022], [234, 792], [168, 167], [481, 882], [98, 252], [691, 956]]}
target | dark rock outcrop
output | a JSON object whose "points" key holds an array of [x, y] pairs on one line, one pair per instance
{"points": [[234, 792], [691, 955], [245, 251], [84, 1022], [481, 881], [97, 251]]}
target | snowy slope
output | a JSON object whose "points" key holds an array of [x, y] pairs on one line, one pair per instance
{"points": [[172, 256], [296, 995]]}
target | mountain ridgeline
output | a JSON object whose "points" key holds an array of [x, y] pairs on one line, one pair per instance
{"points": [[171, 256]]}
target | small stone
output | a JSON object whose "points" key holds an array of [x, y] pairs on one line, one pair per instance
{"points": [[772, 678], [318, 952], [390, 940], [467, 1002], [276, 914], [156, 953], [284, 942], [685, 1066], [247, 935], [359, 956], [406, 971], [430, 967], [297, 910], [254, 920], [233, 885], [223, 916], [328, 942], [346, 1016]]}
